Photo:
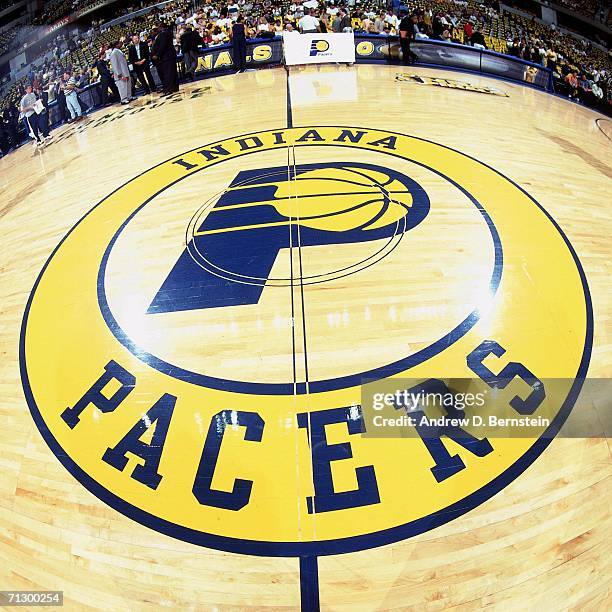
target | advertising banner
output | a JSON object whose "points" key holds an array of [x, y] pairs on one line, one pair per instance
{"points": [[259, 52], [318, 48]]}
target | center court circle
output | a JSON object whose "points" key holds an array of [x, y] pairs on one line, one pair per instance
{"points": [[237, 466]]}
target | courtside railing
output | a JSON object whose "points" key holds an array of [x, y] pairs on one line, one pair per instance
{"points": [[437, 53], [386, 49]]}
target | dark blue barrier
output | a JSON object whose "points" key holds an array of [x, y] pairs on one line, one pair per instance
{"points": [[383, 48], [437, 53], [260, 52]]}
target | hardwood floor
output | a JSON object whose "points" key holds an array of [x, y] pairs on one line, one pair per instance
{"points": [[495, 205]]}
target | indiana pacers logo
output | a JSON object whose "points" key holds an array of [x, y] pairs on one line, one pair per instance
{"points": [[318, 48], [338, 204], [195, 348]]}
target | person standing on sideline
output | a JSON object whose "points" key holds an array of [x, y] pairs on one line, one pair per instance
{"points": [[4, 140], [10, 117], [163, 54], [345, 21], [238, 37], [406, 32], [309, 24], [72, 98], [60, 96], [30, 117], [43, 116], [139, 57], [106, 78], [121, 70], [190, 41]]}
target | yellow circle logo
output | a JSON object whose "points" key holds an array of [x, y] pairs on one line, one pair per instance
{"points": [[199, 349]]}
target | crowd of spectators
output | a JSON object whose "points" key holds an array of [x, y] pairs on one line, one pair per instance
{"points": [[594, 9], [51, 12], [483, 24], [582, 71], [7, 38]]}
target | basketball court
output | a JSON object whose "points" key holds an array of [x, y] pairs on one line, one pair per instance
{"points": [[198, 292]]}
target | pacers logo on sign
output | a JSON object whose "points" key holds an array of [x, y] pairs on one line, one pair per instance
{"points": [[194, 349], [318, 47]]}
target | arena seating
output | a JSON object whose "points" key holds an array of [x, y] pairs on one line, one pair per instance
{"points": [[51, 12], [587, 8], [7, 38]]}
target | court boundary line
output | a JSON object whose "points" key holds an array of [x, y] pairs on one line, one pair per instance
{"points": [[599, 126]]}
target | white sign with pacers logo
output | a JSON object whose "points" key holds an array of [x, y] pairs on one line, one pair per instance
{"points": [[318, 48]]}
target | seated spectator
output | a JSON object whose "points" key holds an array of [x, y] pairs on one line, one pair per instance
{"points": [[264, 29], [468, 30], [232, 11], [218, 36], [477, 40], [572, 84]]}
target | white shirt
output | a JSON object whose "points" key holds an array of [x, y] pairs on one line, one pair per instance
{"points": [[392, 20], [308, 23], [232, 10]]}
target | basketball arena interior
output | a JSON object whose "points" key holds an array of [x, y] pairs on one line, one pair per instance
{"points": [[305, 305]]}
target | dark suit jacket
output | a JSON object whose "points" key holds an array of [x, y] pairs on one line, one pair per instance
{"points": [[190, 40], [103, 69], [144, 54], [163, 47]]}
